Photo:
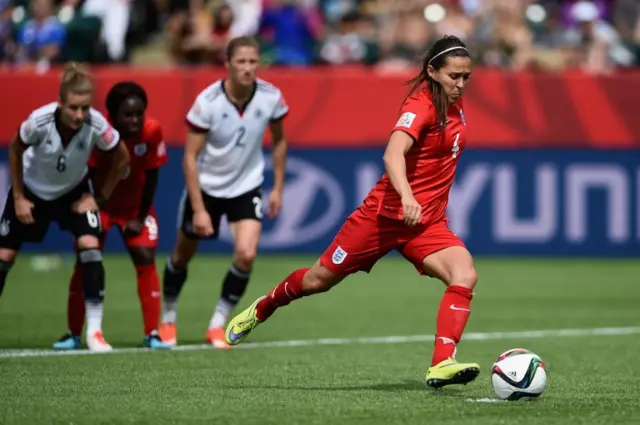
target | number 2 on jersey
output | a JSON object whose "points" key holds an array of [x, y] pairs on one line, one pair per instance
{"points": [[239, 136]]}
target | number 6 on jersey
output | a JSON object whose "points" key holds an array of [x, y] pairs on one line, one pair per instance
{"points": [[93, 219]]}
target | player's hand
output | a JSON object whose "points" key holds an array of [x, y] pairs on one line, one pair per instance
{"points": [[23, 208], [133, 227], [84, 204], [275, 203], [202, 224], [411, 210]]}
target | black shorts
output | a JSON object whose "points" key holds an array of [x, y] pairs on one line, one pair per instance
{"points": [[247, 206], [13, 233]]}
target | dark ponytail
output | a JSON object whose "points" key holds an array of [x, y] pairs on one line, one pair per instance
{"points": [[447, 46]]}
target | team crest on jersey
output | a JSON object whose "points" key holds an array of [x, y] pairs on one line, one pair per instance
{"points": [[464, 121], [258, 113], [140, 149], [338, 256], [108, 136], [81, 145], [406, 120]]}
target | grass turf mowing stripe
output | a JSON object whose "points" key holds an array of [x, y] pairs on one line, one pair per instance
{"points": [[471, 336]]}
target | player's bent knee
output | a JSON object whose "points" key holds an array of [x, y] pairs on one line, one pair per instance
{"points": [[142, 255], [88, 242], [467, 277], [183, 251], [244, 258], [8, 255], [319, 279]]}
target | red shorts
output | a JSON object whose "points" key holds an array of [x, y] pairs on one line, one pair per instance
{"points": [[365, 237], [148, 237]]}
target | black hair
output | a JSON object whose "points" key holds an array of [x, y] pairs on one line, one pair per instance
{"points": [[452, 47], [121, 92]]}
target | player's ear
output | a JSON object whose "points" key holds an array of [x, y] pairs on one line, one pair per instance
{"points": [[226, 63], [432, 72]]}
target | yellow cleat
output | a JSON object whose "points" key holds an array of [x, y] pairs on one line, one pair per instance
{"points": [[449, 372], [241, 326]]}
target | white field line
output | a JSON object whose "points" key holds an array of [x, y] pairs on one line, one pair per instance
{"points": [[471, 336]]}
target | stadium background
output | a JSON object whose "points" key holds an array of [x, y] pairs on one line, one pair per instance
{"points": [[550, 166]]}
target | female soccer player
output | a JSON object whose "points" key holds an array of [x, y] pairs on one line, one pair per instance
{"points": [[129, 208], [50, 182], [224, 165], [405, 211]]}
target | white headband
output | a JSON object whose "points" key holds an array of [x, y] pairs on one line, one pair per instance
{"points": [[445, 51]]}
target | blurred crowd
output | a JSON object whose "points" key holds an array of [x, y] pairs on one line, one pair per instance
{"points": [[598, 36]]}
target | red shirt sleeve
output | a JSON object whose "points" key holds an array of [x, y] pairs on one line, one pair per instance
{"points": [[417, 115], [157, 152], [94, 159]]}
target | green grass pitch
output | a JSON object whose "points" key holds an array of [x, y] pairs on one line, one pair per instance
{"points": [[593, 377]]}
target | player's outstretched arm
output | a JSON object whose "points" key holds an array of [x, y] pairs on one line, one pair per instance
{"points": [[117, 170], [16, 150], [192, 147], [279, 156], [395, 164], [396, 167]]}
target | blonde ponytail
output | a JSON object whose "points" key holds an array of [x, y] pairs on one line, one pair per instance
{"points": [[76, 80]]}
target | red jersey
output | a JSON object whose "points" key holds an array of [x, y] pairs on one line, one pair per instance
{"points": [[147, 151], [431, 160]]}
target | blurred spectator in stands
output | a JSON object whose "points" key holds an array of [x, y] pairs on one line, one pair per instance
{"points": [[115, 15], [550, 51], [246, 17], [596, 44], [510, 41], [626, 17], [40, 39], [404, 34], [455, 21], [208, 39], [289, 30], [334, 10], [569, 20], [7, 44], [183, 15], [353, 42]]}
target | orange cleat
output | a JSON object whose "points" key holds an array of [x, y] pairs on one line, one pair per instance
{"points": [[168, 333], [215, 336]]}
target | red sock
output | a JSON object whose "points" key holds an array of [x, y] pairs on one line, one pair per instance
{"points": [[288, 290], [149, 294], [452, 318], [75, 303]]}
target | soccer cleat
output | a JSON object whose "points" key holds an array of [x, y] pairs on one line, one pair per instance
{"points": [[449, 372], [67, 342], [216, 338], [96, 342], [168, 333], [154, 342], [241, 326]]}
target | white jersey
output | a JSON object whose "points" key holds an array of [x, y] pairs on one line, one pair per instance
{"points": [[49, 169], [232, 162]]}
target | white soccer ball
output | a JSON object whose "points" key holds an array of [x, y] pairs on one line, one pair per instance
{"points": [[518, 374]]}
